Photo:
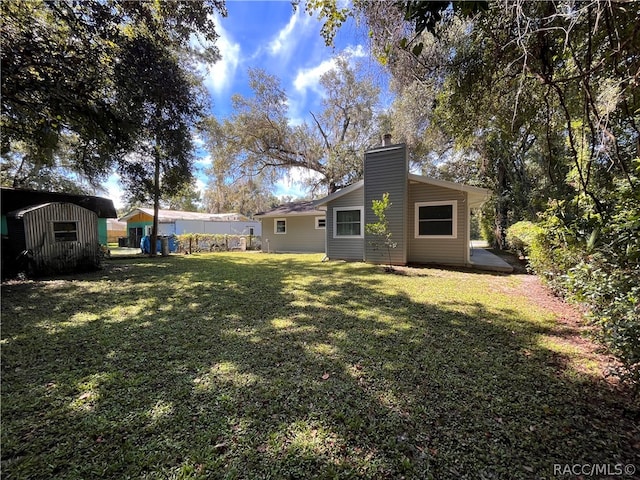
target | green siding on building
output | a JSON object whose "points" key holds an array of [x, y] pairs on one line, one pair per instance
{"points": [[102, 231]]}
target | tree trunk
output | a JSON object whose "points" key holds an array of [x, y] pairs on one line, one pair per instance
{"points": [[156, 202], [502, 208]]}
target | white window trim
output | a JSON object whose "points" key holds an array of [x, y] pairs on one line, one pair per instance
{"points": [[454, 230], [318, 227], [275, 226], [335, 222]]}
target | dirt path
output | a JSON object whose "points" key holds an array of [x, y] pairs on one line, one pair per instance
{"points": [[572, 329]]}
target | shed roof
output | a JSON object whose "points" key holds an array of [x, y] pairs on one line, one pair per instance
{"points": [[22, 211], [292, 208], [14, 199], [169, 216]]}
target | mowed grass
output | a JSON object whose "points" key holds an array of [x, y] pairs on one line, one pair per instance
{"points": [[251, 366]]}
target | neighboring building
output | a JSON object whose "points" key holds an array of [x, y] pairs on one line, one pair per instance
{"points": [[173, 222], [47, 232], [429, 219], [115, 230], [293, 227]]}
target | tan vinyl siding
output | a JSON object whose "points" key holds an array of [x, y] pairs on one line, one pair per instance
{"points": [[385, 171], [451, 251], [50, 254], [301, 235], [344, 248]]}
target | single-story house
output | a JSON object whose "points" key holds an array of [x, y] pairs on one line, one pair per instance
{"points": [[429, 219], [47, 232], [293, 227], [174, 222]]}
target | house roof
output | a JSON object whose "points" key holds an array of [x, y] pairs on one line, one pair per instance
{"points": [[169, 216], [292, 208], [13, 199], [476, 195], [343, 191]]}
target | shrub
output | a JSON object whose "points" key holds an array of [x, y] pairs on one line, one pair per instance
{"points": [[596, 262], [521, 235]]}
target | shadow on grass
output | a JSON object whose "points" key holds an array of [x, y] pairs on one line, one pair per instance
{"points": [[232, 366]]}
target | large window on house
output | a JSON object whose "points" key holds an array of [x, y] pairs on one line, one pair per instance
{"points": [[348, 222], [436, 219], [280, 226], [65, 231], [321, 223]]}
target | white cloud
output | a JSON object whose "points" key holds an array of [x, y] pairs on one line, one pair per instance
{"points": [[357, 51], [198, 141], [204, 161], [219, 76], [114, 190], [309, 78], [288, 38], [200, 185]]}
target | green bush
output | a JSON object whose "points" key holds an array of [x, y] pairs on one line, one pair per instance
{"points": [[521, 235], [595, 261]]}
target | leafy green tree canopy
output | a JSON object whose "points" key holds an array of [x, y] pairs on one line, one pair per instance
{"points": [[65, 94]]}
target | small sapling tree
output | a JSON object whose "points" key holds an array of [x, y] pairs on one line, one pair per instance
{"points": [[380, 229]]}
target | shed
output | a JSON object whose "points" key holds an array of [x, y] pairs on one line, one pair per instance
{"points": [[14, 199], [58, 237]]}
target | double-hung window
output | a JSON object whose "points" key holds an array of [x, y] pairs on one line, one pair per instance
{"points": [[280, 226], [348, 222], [436, 219]]}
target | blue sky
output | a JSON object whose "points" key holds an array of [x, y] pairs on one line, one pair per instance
{"points": [[287, 44]]}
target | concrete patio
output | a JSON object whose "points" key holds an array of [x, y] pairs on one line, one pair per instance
{"points": [[482, 259]]}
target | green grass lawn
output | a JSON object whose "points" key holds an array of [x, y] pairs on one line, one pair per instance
{"points": [[234, 365]]}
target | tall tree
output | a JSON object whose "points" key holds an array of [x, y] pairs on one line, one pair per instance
{"points": [[62, 82], [166, 104], [187, 199], [244, 196], [258, 138]]}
